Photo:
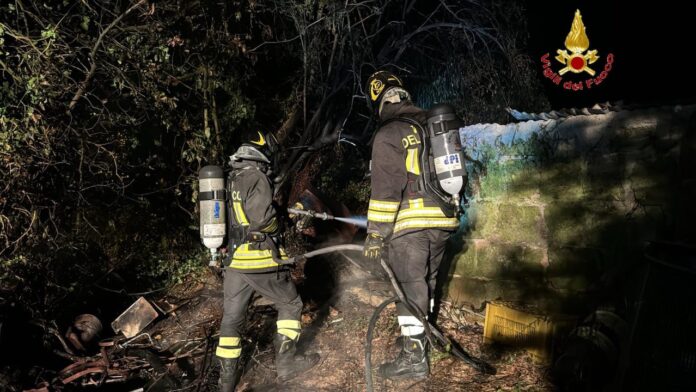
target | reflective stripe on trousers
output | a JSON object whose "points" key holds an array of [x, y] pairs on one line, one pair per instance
{"points": [[229, 347], [289, 328]]}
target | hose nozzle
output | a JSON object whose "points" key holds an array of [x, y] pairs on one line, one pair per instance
{"points": [[313, 214]]}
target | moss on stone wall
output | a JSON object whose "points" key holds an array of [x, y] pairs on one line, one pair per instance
{"points": [[564, 207]]}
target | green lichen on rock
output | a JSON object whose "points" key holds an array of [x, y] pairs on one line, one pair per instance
{"points": [[552, 218]]}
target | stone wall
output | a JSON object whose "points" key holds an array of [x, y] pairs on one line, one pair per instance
{"points": [[559, 210]]}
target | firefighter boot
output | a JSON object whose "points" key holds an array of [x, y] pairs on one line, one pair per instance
{"points": [[228, 374], [412, 361], [288, 363]]}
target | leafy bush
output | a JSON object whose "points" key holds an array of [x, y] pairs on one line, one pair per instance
{"points": [[108, 109]]}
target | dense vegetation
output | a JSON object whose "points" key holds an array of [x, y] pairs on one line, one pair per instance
{"points": [[109, 108]]}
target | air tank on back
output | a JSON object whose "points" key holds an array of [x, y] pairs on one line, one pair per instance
{"points": [[445, 145], [211, 196]]}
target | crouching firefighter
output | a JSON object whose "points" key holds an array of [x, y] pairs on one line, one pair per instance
{"points": [[251, 264], [416, 182]]}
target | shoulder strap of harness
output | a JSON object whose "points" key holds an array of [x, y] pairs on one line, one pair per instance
{"points": [[236, 233], [427, 181]]}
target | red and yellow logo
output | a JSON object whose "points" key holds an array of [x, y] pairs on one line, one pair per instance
{"points": [[577, 59], [577, 43]]}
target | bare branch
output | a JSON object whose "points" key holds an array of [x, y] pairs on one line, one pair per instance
{"points": [[93, 54]]}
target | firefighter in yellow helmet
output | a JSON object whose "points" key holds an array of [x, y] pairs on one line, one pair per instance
{"points": [[403, 218], [251, 264]]}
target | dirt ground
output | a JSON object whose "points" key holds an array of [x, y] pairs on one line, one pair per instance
{"points": [[339, 301]]}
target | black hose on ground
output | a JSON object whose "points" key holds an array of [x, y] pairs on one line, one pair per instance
{"points": [[431, 332], [368, 345]]}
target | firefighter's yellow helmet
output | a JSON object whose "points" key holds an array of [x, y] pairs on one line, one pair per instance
{"points": [[377, 86], [257, 146]]}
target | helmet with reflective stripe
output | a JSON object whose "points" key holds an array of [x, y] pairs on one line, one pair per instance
{"points": [[379, 85], [257, 146]]}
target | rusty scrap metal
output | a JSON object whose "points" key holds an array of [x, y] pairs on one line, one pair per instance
{"points": [[113, 364], [138, 316], [95, 371], [82, 368], [117, 360], [82, 373]]}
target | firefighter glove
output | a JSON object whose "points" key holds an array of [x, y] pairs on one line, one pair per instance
{"points": [[373, 247], [301, 221]]}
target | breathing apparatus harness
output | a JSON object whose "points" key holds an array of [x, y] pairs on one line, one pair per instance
{"points": [[215, 197], [441, 159], [427, 183], [239, 234]]}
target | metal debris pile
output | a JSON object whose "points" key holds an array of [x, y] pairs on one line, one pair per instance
{"points": [[131, 355]]}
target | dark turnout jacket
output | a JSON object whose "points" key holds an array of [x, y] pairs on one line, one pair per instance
{"points": [[251, 206], [396, 205]]}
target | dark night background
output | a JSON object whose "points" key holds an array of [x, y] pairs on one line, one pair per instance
{"points": [[99, 169], [649, 42]]}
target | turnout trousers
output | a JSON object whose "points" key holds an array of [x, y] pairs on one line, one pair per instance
{"points": [[415, 258], [277, 287]]}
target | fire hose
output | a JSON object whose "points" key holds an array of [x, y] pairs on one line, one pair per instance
{"points": [[432, 333]]}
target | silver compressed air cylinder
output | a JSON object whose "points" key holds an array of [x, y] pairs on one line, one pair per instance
{"points": [[211, 196], [443, 132]]}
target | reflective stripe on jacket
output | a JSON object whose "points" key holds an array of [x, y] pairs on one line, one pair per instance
{"points": [[251, 194], [246, 257], [396, 206]]}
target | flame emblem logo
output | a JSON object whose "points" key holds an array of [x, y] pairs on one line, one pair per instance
{"points": [[376, 87], [577, 43]]}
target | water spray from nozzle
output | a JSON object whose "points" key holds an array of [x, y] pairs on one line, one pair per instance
{"points": [[359, 221]]}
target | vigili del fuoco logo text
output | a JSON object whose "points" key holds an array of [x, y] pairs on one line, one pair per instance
{"points": [[577, 60]]}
